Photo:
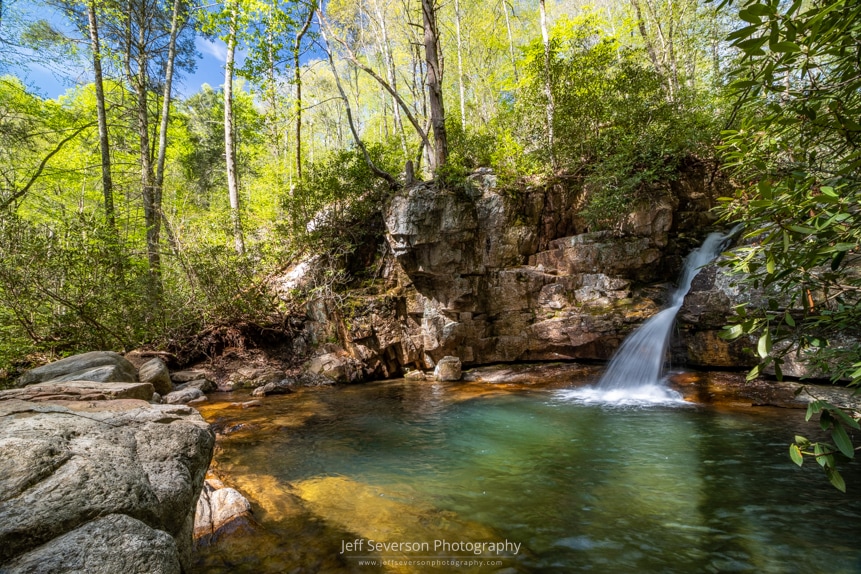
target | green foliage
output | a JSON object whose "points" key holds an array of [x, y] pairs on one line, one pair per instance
{"points": [[796, 148], [331, 208], [469, 149], [614, 122]]}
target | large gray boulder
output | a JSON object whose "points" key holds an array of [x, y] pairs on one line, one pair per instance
{"points": [[98, 366], [79, 391], [116, 543], [63, 466], [155, 372]]}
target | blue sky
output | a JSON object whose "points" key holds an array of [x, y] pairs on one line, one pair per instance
{"points": [[53, 82]]}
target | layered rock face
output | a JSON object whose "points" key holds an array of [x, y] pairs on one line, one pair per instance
{"points": [[499, 279], [99, 486]]}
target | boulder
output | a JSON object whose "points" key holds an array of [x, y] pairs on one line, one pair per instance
{"points": [[253, 377], [448, 369], [63, 465], [204, 385], [185, 376], [79, 391], [220, 511], [335, 367], [155, 372], [279, 388], [182, 397], [107, 545], [99, 366]]}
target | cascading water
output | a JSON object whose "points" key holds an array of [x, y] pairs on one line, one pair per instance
{"points": [[634, 374]]}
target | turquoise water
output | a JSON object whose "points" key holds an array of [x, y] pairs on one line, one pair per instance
{"points": [[579, 487]]}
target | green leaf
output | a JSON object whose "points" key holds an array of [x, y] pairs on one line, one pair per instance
{"points": [[763, 347], [759, 9], [754, 373], [802, 441], [795, 454], [847, 420], [788, 319], [842, 441], [835, 479], [813, 408], [748, 17], [837, 260], [769, 264], [742, 33], [732, 332], [786, 47]]}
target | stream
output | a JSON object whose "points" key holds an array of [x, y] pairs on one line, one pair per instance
{"points": [[451, 476]]}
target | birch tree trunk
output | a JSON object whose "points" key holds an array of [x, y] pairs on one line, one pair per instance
{"points": [[229, 140], [548, 89], [459, 64], [297, 44], [510, 40]]}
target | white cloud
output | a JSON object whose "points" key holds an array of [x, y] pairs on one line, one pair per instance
{"points": [[215, 49]]}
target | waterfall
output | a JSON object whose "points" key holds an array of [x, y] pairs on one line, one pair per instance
{"points": [[635, 373]]}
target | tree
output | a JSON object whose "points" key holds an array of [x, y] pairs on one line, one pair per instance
{"points": [[796, 143], [229, 142], [297, 69], [434, 83], [550, 106], [101, 114]]}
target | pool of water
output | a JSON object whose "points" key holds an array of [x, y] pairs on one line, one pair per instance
{"points": [[395, 470]]}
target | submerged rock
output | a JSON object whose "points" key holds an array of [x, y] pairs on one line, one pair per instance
{"points": [[62, 466], [99, 366]]}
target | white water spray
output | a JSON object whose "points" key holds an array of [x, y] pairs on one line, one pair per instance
{"points": [[635, 373]]}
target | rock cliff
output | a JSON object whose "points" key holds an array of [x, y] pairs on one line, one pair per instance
{"points": [[491, 277]]}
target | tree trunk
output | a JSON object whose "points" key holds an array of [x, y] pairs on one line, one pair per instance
{"points": [[434, 84], [459, 64], [510, 40], [550, 110], [298, 79], [101, 112], [229, 143], [152, 219]]}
